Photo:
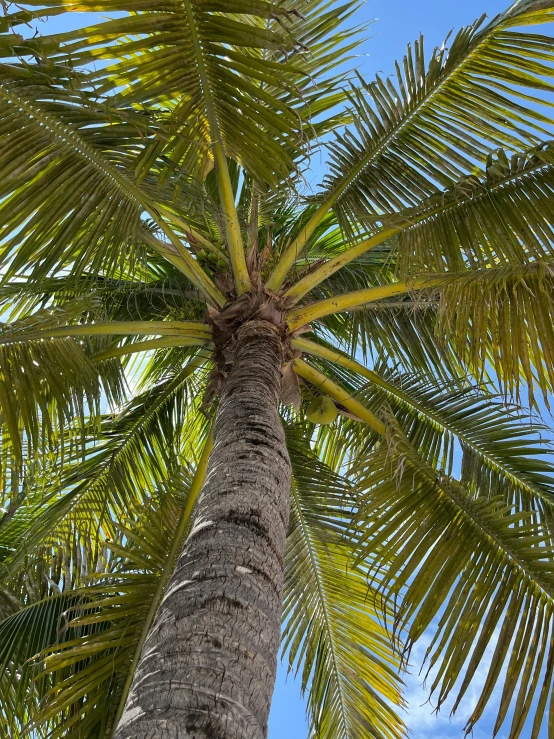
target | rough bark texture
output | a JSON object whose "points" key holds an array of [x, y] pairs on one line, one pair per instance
{"points": [[208, 666]]}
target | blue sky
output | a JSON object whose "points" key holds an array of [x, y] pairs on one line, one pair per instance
{"points": [[398, 22]]}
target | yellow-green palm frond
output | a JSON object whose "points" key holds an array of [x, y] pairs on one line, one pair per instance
{"points": [[502, 318], [48, 386], [401, 328], [503, 216], [488, 322], [61, 155], [333, 632], [68, 655], [117, 466], [71, 152], [482, 89], [252, 82], [470, 568], [497, 449]]}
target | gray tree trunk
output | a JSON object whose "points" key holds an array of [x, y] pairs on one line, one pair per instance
{"points": [[207, 669]]}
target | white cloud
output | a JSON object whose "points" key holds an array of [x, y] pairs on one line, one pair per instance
{"points": [[422, 719]]}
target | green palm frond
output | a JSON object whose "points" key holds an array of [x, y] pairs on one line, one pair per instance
{"points": [[321, 29], [352, 692], [48, 380], [471, 558], [440, 121], [478, 566], [502, 316], [401, 328], [118, 467], [400, 331], [480, 90], [154, 295], [84, 638], [96, 222], [499, 450], [496, 319], [261, 73], [13, 335], [66, 160], [501, 217], [48, 386], [24, 635]]}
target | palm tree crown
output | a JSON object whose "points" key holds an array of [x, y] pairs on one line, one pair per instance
{"points": [[152, 201]]}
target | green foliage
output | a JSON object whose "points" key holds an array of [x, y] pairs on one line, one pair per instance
{"points": [[486, 563], [443, 116], [328, 608], [73, 649], [127, 149]]}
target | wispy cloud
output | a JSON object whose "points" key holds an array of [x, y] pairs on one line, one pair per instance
{"points": [[425, 722]]}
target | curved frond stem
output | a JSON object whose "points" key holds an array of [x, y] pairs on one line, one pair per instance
{"points": [[322, 352], [317, 350], [169, 252], [306, 284], [176, 546], [194, 271], [296, 248], [226, 196], [254, 219], [72, 140], [147, 346], [191, 233], [330, 388], [179, 256], [356, 300], [183, 329]]}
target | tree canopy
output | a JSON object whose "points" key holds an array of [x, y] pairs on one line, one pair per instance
{"points": [[152, 190]]}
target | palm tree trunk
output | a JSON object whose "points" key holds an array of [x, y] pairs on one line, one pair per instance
{"points": [[207, 669]]}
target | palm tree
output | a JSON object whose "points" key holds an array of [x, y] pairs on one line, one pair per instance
{"points": [[231, 406]]}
